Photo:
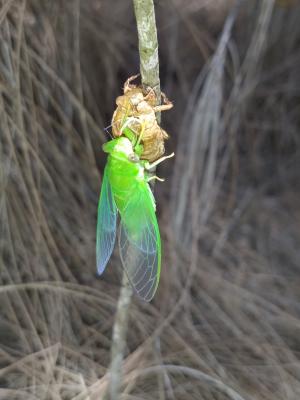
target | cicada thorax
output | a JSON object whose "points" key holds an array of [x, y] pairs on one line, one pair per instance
{"points": [[136, 110]]}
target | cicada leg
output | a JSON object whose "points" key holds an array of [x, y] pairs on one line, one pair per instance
{"points": [[150, 97], [141, 133], [127, 124], [127, 85], [166, 100], [124, 120], [128, 121], [153, 177], [163, 107], [149, 166]]}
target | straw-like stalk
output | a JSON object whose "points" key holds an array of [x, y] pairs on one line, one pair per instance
{"points": [[149, 68]]}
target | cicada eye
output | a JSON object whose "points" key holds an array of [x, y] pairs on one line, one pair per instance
{"points": [[133, 157]]}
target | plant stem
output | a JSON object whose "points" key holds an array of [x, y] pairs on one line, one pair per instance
{"points": [[119, 339], [148, 45], [149, 68]]}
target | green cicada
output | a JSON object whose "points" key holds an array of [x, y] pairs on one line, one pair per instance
{"points": [[125, 189]]}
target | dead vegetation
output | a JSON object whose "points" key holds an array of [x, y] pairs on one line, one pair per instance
{"points": [[225, 323]]}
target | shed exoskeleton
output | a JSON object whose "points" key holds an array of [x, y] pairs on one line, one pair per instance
{"points": [[136, 109]]}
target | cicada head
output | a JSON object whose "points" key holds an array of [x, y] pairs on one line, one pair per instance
{"points": [[120, 147]]}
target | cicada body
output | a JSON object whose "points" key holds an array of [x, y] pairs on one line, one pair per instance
{"points": [[125, 189]]}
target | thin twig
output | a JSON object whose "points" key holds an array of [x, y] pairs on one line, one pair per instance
{"points": [[149, 68], [119, 339], [148, 45]]}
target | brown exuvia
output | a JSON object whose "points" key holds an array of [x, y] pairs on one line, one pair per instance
{"points": [[136, 109]]}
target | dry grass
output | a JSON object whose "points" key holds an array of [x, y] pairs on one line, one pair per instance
{"points": [[225, 323]]}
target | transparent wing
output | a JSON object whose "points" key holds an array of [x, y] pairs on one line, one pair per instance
{"points": [[106, 224], [139, 243]]}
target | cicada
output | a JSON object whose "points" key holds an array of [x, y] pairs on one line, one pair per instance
{"points": [[125, 190], [138, 106]]}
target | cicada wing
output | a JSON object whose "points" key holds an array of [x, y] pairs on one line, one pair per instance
{"points": [[140, 245], [106, 224]]}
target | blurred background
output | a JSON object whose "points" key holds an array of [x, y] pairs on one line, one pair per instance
{"points": [[225, 322]]}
